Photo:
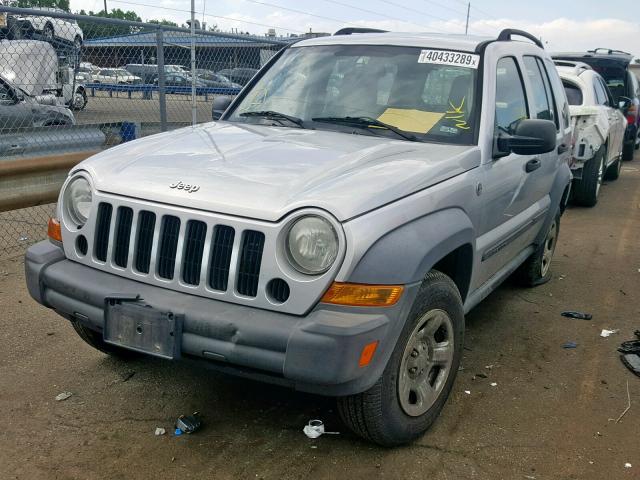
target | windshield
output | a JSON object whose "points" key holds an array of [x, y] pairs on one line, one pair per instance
{"points": [[428, 97]]}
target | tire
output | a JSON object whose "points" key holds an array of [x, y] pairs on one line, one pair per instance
{"points": [[47, 32], [390, 413], [95, 340], [79, 101], [627, 151], [536, 269], [77, 43], [613, 171], [587, 189]]}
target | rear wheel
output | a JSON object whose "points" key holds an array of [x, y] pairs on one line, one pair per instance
{"points": [[95, 339], [627, 150], [613, 171], [587, 189], [418, 378], [536, 270]]}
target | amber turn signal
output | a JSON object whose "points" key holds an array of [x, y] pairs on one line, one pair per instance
{"points": [[53, 230], [367, 354], [362, 295]]}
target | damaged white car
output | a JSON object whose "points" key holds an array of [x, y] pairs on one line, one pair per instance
{"points": [[598, 126]]}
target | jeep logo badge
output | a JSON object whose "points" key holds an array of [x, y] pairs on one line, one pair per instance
{"points": [[185, 186]]}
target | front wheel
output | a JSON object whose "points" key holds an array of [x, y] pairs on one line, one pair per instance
{"points": [[79, 101], [95, 340], [418, 378]]}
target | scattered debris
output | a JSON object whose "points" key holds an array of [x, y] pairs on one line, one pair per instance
{"points": [[468, 392], [632, 362], [23, 238], [488, 367], [530, 477], [577, 315], [628, 404], [50, 333], [569, 344], [126, 377], [177, 432], [627, 465], [631, 346], [63, 396], [481, 375], [315, 428], [605, 333], [188, 424], [493, 384], [160, 431]]}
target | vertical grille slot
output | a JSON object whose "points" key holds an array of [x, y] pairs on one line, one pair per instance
{"points": [[101, 243], [168, 246], [193, 248], [123, 236], [250, 259], [221, 248], [144, 242]]}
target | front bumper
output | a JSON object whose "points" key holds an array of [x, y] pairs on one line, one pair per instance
{"points": [[318, 352]]}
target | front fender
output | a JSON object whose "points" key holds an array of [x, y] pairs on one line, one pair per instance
{"points": [[406, 254]]}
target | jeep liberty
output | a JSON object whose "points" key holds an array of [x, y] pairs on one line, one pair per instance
{"points": [[330, 232]]}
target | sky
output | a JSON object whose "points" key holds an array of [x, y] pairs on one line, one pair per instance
{"points": [[563, 25]]}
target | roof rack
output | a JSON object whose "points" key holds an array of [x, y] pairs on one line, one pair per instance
{"points": [[507, 33], [609, 51], [352, 30], [578, 67]]}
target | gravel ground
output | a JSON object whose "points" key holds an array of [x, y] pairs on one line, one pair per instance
{"points": [[551, 415]]}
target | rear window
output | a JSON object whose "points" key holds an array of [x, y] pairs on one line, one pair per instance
{"points": [[574, 94]]}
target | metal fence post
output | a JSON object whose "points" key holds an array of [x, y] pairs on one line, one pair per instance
{"points": [[161, 84]]}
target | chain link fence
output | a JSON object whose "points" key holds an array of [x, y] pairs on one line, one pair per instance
{"points": [[72, 85]]}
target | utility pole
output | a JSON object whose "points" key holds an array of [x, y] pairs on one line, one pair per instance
{"points": [[194, 106], [466, 28], [105, 7]]}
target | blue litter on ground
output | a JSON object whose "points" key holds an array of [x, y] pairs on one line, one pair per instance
{"points": [[569, 345]]}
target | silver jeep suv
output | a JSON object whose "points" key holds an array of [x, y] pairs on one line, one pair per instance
{"points": [[331, 231]]}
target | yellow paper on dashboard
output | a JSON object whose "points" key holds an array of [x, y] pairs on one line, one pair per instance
{"points": [[410, 120]]}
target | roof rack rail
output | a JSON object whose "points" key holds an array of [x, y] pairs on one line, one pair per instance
{"points": [[507, 33], [578, 67], [608, 50], [352, 30]]}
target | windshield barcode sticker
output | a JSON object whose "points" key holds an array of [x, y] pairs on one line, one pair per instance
{"points": [[444, 57]]}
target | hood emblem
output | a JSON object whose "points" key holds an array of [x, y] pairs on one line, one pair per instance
{"points": [[185, 186]]}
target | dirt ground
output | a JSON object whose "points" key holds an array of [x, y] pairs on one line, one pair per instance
{"points": [[551, 415]]}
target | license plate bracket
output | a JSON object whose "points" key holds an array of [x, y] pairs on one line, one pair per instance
{"points": [[134, 325]]}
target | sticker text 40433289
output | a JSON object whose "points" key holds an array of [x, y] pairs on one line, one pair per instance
{"points": [[445, 57]]}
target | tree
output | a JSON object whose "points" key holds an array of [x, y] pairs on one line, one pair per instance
{"points": [[165, 22], [99, 30], [61, 4]]}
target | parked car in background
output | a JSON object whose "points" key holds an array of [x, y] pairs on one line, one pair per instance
{"points": [[613, 65], [213, 79], [18, 109], [241, 76], [598, 130], [181, 80], [115, 76], [47, 28], [330, 240]]}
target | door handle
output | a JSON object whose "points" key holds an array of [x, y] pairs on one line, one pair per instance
{"points": [[532, 165], [562, 149]]}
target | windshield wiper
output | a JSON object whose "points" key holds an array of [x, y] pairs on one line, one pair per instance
{"points": [[272, 115], [366, 122]]}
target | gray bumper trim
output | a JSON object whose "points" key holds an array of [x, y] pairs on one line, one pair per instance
{"points": [[318, 352]]}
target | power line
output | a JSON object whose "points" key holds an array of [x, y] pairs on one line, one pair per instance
{"points": [[342, 22], [375, 13], [206, 15]]}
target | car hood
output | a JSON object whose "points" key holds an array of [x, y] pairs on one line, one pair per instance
{"points": [[265, 172]]}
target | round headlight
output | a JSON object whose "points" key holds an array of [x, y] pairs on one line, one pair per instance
{"points": [[312, 244], [78, 199]]}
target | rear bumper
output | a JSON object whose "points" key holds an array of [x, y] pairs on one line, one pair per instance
{"points": [[317, 353]]}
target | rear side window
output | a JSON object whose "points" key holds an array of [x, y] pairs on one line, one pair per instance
{"points": [[541, 101], [574, 94], [550, 95], [601, 95], [511, 101], [559, 93]]}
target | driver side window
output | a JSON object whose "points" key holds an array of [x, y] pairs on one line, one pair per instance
{"points": [[511, 100], [7, 96]]}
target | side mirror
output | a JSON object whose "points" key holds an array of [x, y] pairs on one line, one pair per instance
{"points": [[531, 137], [220, 104], [624, 103]]}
